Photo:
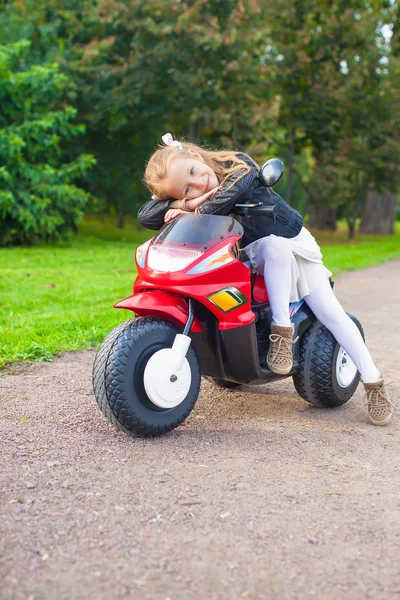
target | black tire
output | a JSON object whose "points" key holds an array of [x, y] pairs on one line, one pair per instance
{"points": [[316, 380], [223, 383], [118, 378]]}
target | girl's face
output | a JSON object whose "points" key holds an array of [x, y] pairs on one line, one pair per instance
{"points": [[189, 177]]}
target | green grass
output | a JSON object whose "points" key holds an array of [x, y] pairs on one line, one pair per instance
{"points": [[57, 298], [341, 254]]}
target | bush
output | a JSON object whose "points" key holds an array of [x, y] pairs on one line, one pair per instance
{"points": [[39, 200]]}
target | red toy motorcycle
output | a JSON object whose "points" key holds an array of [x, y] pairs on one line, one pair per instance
{"points": [[203, 312]]}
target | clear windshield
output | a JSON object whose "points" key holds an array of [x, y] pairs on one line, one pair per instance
{"points": [[197, 232]]}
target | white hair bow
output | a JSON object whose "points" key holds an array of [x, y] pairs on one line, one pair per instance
{"points": [[169, 141]]}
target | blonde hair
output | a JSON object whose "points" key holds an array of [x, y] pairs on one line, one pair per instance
{"points": [[223, 162]]}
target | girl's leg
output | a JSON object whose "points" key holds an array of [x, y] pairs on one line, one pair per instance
{"points": [[328, 310], [274, 259]]}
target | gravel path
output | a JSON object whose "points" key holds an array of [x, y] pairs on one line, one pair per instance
{"points": [[256, 496]]}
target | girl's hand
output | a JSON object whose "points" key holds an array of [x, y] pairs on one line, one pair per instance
{"points": [[172, 213], [195, 202]]}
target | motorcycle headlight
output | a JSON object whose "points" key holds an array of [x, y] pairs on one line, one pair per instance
{"points": [[170, 259], [141, 252], [218, 259]]}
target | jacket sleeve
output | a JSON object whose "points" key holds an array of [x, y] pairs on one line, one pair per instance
{"points": [[151, 215], [233, 190]]}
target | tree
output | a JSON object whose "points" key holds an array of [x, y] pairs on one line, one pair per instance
{"points": [[337, 97], [141, 69], [379, 211], [306, 81], [38, 198]]}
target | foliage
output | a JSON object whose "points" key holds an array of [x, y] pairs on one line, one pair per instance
{"points": [[338, 94], [315, 83], [143, 68], [38, 199]]}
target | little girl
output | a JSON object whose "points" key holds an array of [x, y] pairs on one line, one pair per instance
{"points": [[184, 177]]}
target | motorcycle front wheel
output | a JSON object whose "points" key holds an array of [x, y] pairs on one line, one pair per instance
{"points": [[121, 378]]}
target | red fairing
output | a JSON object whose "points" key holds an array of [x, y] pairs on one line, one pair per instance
{"points": [[198, 286], [160, 304]]}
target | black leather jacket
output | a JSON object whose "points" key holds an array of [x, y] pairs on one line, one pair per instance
{"points": [[286, 223]]}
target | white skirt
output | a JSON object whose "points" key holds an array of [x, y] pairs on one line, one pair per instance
{"points": [[307, 269]]}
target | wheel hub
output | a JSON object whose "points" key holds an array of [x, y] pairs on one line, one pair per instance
{"points": [[346, 370], [165, 385]]}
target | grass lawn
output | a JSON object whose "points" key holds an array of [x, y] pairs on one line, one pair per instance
{"points": [[60, 297], [341, 254]]}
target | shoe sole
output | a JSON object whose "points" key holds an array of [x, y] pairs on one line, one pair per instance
{"points": [[380, 422], [278, 370]]}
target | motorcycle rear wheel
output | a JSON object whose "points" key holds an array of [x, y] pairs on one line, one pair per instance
{"points": [[119, 372], [320, 379]]}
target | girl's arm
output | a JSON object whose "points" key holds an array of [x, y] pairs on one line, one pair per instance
{"points": [[232, 191], [151, 215], [155, 213]]}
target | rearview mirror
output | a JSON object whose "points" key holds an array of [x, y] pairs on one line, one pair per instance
{"points": [[271, 172]]}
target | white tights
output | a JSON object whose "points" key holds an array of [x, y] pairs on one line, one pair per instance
{"points": [[276, 254]]}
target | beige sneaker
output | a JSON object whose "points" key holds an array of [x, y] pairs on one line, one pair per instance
{"points": [[380, 408], [280, 353]]}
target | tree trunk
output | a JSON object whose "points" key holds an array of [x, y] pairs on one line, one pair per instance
{"points": [[194, 129], [121, 221], [322, 217], [353, 210], [352, 229], [379, 213]]}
